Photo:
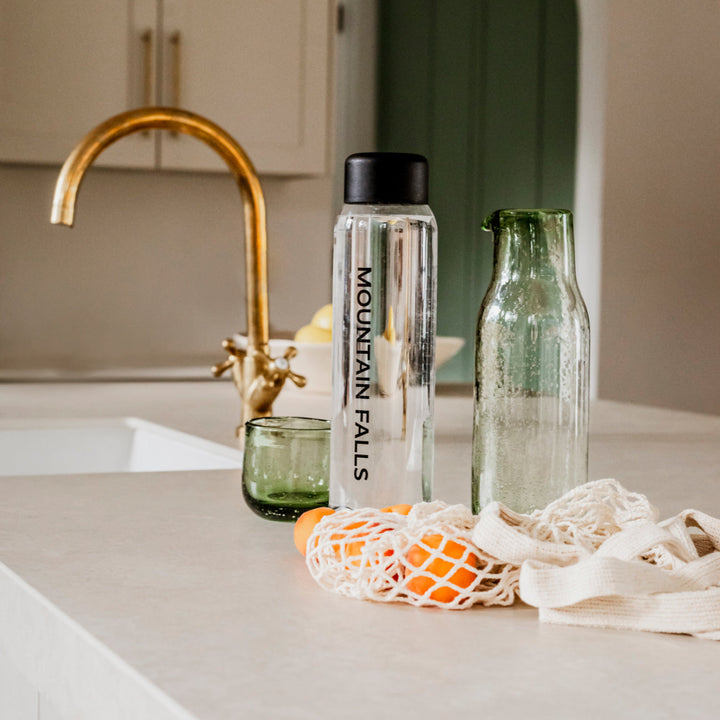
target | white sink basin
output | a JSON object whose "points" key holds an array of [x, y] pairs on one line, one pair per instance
{"points": [[118, 445]]}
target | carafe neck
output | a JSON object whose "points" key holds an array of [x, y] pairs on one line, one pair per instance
{"points": [[532, 244]]}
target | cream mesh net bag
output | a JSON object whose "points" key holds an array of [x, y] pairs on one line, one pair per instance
{"points": [[424, 558], [597, 556]]}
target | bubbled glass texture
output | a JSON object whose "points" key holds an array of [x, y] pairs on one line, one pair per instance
{"points": [[530, 429]]}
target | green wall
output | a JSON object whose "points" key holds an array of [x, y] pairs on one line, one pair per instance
{"points": [[487, 90]]}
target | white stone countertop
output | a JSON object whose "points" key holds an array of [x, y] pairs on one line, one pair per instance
{"points": [[154, 596]]}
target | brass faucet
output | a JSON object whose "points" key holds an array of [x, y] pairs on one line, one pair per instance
{"points": [[258, 377]]}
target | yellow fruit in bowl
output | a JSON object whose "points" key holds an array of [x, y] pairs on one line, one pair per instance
{"points": [[313, 334], [323, 318], [320, 328]]}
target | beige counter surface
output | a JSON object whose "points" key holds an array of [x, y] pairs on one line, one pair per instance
{"points": [[162, 596]]}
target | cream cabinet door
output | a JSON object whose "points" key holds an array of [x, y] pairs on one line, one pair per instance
{"points": [[261, 69], [66, 65]]}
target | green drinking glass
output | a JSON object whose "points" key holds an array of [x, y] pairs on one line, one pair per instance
{"points": [[286, 466]]}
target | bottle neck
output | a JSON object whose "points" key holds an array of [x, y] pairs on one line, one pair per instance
{"points": [[386, 209], [532, 244]]}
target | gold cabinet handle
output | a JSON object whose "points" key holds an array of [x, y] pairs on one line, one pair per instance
{"points": [[175, 70], [146, 38], [176, 67]]}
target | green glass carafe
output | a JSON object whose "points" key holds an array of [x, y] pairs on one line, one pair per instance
{"points": [[530, 429]]}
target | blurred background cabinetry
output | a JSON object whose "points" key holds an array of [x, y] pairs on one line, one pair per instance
{"points": [[259, 68]]}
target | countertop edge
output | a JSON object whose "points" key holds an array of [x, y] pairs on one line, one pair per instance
{"points": [[70, 667]]}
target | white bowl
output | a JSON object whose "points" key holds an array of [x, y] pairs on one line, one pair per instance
{"points": [[447, 347], [314, 360]]}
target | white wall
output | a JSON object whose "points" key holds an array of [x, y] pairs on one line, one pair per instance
{"points": [[660, 325], [589, 168], [647, 199]]}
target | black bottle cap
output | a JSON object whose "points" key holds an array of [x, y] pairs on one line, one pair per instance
{"points": [[386, 179]]}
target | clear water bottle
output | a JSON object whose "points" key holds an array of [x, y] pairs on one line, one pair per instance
{"points": [[530, 431], [384, 287]]}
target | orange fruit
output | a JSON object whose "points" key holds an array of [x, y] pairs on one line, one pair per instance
{"points": [[399, 509], [462, 577], [354, 548], [351, 548], [305, 524]]}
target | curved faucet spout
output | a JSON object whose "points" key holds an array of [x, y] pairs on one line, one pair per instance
{"points": [[254, 371], [84, 154]]}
